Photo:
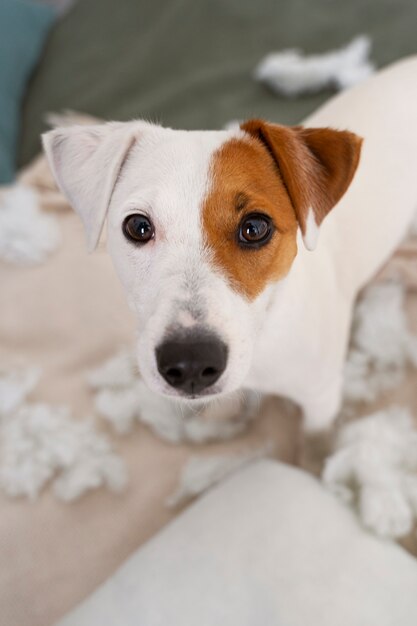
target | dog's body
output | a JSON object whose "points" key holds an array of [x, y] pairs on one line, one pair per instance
{"points": [[355, 240], [282, 313]]}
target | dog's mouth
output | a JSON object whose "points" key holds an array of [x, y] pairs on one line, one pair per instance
{"points": [[193, 396]]}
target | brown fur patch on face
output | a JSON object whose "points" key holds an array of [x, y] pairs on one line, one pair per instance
{"points": [[245, 180], [317, 165]]}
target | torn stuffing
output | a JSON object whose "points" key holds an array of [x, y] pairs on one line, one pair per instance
{"points": [[40, 443], [232, 125], [374, 468], [380, 326], [117, 371], [27, 235], [173, 421], [381, 343], [15, 386], [122, 399], [290, 73], [363, 381]]}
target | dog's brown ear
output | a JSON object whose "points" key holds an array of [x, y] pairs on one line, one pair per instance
{"points": [[86, 162], [316, 166]]}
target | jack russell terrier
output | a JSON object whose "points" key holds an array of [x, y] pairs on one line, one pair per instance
{"points": [[214, 235]]}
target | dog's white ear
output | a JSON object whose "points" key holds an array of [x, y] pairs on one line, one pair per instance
{"points": [[86, 162], [316, 165]]}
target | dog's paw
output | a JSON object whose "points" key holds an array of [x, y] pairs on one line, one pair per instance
{"points": [[385, 511], [374, 468]]}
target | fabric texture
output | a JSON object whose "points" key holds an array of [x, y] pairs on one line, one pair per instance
{"points": [[251, 553], [24, 27]]}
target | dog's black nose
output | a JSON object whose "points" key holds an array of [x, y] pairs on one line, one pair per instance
{"points": [[191, 363]]}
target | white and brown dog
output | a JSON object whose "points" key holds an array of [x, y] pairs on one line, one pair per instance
{"points": [[211, 234]]}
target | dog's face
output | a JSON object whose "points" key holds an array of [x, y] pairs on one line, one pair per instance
{"points": [[201, 225]]}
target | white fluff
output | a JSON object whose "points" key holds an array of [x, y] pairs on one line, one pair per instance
{"points": [[381, 344], [15, 386], [363, 382], [117, 371], [200, 473], [374, 467], [232, 125], [68, 117], [171, 421], [39, 443], [380, 326], [122, 399], [290, 73], [27, 235]]}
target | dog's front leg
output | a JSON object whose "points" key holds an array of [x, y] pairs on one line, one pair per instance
{"points": [[320, 409], [322, 405]]}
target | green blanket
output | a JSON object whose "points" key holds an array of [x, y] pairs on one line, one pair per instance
{"points": [[189, 63]]}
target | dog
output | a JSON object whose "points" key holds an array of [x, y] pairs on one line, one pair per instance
{"points": [[242, 251]]}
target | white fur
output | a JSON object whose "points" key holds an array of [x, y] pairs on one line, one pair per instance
{"points": [[292, 74], [311, 235], [374, 467], [105, 148], [292, 339], [301, 349], [27, 235], [413, 230], [173, 274]]}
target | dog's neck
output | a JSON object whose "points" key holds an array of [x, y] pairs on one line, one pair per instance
{"points": [[294, 328]]}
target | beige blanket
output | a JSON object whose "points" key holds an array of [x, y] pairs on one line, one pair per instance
{"points": [[68, 315]]}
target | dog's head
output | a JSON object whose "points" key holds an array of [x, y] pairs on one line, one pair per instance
{"points": [[200, 225]]}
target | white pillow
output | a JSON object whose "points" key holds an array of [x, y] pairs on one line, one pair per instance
{"points": [[268, 547]]}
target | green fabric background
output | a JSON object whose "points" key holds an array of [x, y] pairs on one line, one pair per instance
{"points": [[188, 63]]}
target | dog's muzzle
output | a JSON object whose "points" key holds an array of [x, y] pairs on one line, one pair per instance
{"points": [[191, 361]]}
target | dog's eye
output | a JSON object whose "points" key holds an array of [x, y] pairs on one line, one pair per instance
{"points": [[138, 228], [255, 230]]}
